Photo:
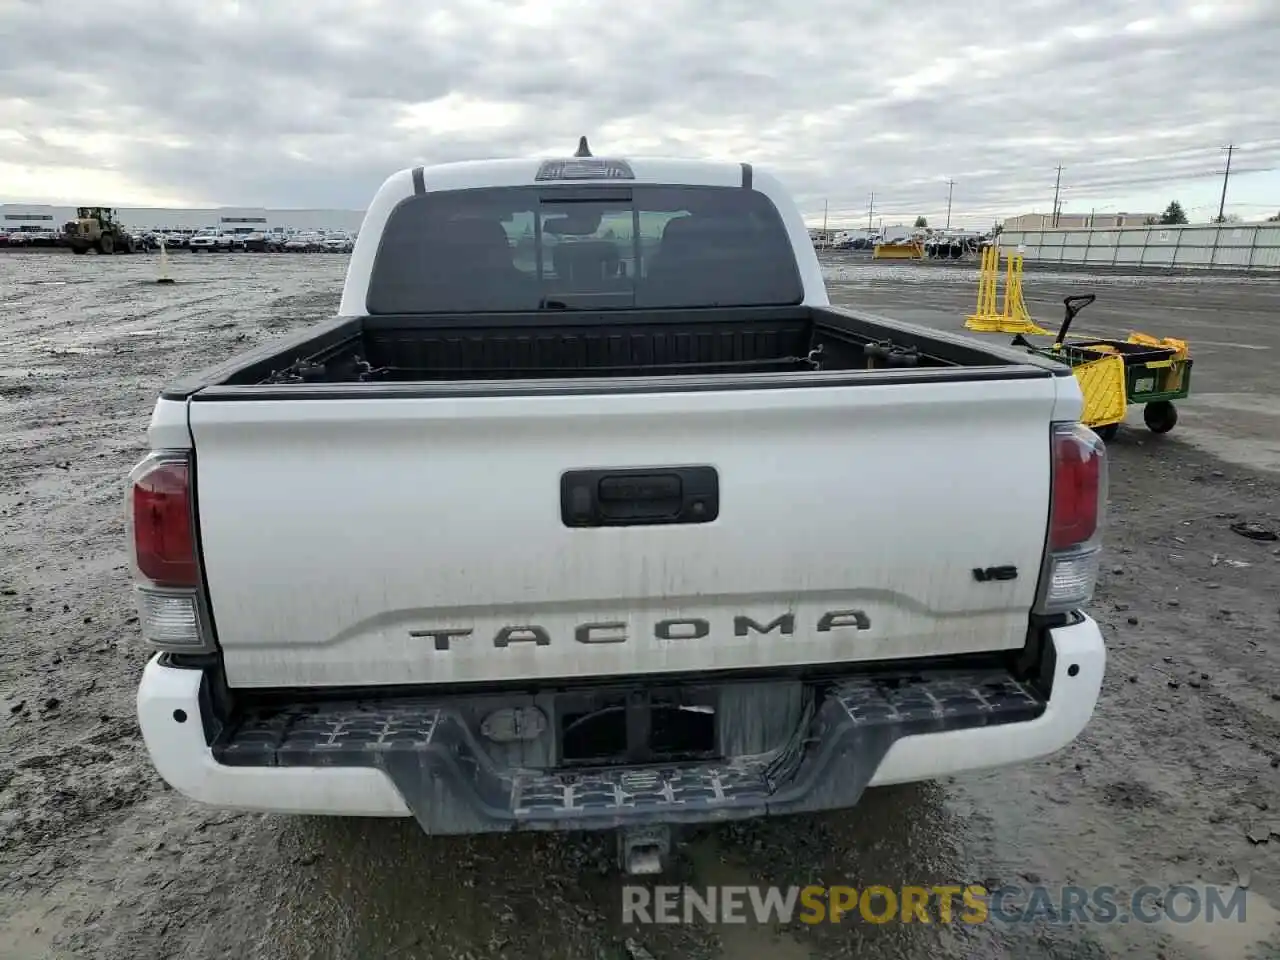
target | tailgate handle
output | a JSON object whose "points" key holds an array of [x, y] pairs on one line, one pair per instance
{"points": [[639, 497]]}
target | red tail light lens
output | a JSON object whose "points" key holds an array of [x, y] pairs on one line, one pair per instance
{"points": [[164, 542], [1078, 476]]}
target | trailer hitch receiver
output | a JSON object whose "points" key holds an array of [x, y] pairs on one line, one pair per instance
{"points": [[644, 851]]}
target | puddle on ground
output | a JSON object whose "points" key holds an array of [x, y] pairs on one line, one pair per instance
{"points": [[1227, 937], [183, 282], [22, 373], [64, 349], [1229, 425], [741, 941]]}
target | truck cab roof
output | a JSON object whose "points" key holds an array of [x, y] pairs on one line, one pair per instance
{"points": [[516, 172], [561, 174]]}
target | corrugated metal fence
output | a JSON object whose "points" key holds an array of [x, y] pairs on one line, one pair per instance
{"points": [[1237, 246]]}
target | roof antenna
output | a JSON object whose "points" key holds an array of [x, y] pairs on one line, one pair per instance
{"points": [[583, 149]]}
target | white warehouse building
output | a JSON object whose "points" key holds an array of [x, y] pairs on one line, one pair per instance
{"points": [[36, 216]]}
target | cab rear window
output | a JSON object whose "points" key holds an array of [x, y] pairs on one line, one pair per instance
{"points": [[607, 247]]}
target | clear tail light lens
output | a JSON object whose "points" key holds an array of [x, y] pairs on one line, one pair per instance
{"points": [[169, 619]]}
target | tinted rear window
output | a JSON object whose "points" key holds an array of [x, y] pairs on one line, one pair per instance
{"points": [[526, 248]]}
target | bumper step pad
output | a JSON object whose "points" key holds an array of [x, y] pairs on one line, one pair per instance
{"points": [[452, 785]]}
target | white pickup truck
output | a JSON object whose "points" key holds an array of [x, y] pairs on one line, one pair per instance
{"points": [[210, 241], [589, 511]]}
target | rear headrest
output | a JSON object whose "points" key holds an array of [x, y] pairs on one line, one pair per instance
{"points": [[686, 235], [680, 230], [480, 238], [586, 261]]}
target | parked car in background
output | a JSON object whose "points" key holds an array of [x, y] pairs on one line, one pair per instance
{"points": [[303, 243], [29, 238], [210, 242], [259, 242], [337, 244]]}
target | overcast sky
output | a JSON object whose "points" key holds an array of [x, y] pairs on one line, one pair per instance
{"points": [[287, 103]]}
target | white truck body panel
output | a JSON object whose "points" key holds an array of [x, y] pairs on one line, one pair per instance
{"points": [[332, 530], [183, 758]]}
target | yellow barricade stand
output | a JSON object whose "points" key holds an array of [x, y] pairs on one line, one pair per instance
{"points": [[1012, 316]]}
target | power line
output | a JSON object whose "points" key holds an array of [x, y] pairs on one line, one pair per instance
{"points": [[843, 217], [1001, 197], [1166, 178], [1105, 174], [1179, 169], [1018, 191], [1056, 184], [1189, 153], [1226, 175]]}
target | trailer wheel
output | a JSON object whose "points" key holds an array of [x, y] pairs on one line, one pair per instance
{"points": [[80, 250], [1107, 431], [1160, 416]]}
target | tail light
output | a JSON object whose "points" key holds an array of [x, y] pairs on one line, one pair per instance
{"points": [[1076, 514], [165, 561]]}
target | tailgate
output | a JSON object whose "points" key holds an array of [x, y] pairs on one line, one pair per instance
{"points": [[394, 541]]}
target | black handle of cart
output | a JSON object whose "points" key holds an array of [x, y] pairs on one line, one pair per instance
{"points": [[1073, 306]]}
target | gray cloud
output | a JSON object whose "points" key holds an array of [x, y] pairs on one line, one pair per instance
{"points": [[313, 104]]}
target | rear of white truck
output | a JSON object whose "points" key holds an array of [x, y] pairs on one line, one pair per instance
{"points": [[535, 601]]}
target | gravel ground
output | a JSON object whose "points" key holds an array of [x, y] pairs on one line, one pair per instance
{"points": [[1177, 780]]}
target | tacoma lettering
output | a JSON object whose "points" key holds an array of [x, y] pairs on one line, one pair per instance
{"points": [[673, 629], [522, 634], [785, 624], [834, 619], [610, 632], [442, 637], [678, 629]]}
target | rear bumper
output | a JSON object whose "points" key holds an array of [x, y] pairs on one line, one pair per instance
{"points": [[415, 761]]}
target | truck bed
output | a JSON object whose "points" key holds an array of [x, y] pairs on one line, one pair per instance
{"points": [[719, 348]]}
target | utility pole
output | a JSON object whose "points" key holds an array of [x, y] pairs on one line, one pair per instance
{"points": [[951, 184], [1222, 204], [1056, 184], [871, 207], [825, 238]]}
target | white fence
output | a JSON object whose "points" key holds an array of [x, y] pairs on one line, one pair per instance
{"points": [[1236, 246]]}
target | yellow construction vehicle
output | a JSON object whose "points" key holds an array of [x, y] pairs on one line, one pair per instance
{"points": [[96, 228]]}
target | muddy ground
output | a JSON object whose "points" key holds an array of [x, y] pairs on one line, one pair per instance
{"points": [[1177, 780]]}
